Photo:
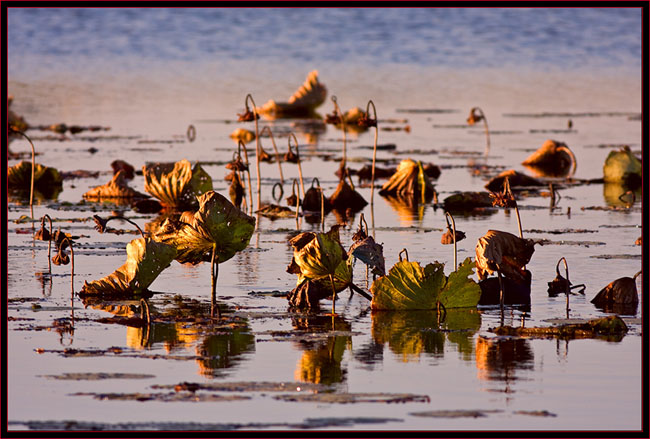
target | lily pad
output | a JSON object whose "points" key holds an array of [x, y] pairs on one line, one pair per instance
{"points": [[47, 181], [146, 259], [176, 185], [622, 167], [409, 286], [217, 221], [116, 188]]}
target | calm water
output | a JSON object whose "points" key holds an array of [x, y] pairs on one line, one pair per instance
{"points": [[149, 73]]}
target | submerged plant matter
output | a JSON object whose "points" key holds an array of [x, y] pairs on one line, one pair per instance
{"points": [[176, 185], [146, 259]]}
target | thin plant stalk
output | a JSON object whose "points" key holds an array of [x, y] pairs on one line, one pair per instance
{"points": [[72, 267], [49, 242], [345, 145], [333, 295], [31, 190], [275, 148], [374, 150], [241, 146], [214, 271], [98, 220], [509, 191], [296, 193], [257, 151], [501, 294], [453, 227], [302, 185], [322, 203], [567, 288]]}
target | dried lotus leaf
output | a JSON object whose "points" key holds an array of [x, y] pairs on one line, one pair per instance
{"points": [[176, 185], [116, 188], [504, 252], [146, 259]]}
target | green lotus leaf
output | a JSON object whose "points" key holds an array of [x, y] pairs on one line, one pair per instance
{"points": [[342, 277], [217, 221], [408, 286], [621, 166], [176, 185], [145, 260], [321, 256], [460, 291]]}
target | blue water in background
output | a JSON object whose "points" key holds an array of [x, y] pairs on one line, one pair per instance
{"points": [[464, 38]]}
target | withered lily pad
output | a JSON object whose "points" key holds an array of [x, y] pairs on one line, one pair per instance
{"points": [[552, 159], [350, 398], [408, 286], [370, 253], [146, 259], [304, 101], [504, 252], [515, 179], [454, 413], [47, 181], [116, 188], [217, 221], [316, 257], [606, 326], [409, 180], [344, 197], [622, 167], [274, 211], [467, 201], [242, 134], [176, 185]]}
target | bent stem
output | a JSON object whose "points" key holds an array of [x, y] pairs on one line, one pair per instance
{"points": [[241, 146], [302, 185], [567, 288], [257, 150], [72, 266], [31, 190], [214, 271], [509, 192], [374, 150], [453, 229], [275, 148], [49, 242], [297, 195], [101, 224]]}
